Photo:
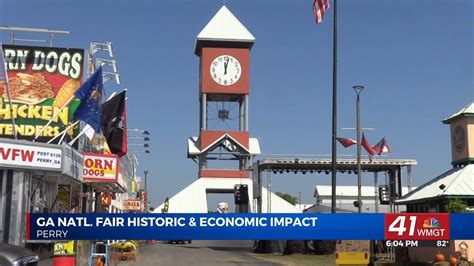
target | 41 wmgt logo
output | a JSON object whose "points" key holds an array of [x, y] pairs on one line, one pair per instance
{"points": [[417, 226]]}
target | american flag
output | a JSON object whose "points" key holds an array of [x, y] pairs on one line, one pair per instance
{"points": [[319, 8]]}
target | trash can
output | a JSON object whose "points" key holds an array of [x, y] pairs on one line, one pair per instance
{"points": [[64, 254], [64, 260]]}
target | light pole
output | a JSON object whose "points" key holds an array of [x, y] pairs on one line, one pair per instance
{"points": [[358, 89], [146, 173], [145, 134], [146, 190], [142, 147]]}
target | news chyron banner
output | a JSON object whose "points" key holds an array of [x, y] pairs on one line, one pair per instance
{"points": [[41, 80], [140, 226]]}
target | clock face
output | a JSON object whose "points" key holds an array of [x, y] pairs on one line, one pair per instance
{"points": [[459, 138], [225, 70]]}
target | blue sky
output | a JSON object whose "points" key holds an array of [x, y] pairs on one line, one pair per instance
{"points": [[415, 59]]}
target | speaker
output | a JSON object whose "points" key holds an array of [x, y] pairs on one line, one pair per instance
{"points": [[384, 194], [241, 194]]}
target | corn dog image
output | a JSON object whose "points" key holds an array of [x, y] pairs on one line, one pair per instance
{"points": [[65, 93]]}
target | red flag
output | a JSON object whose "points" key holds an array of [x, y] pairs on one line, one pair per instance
{"points": [[319, 8], [385, 147], [376, 148], [367, 146], [382, 146], [346, 142]]}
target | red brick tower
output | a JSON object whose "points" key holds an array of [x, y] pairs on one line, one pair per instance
{"points": [[224, 148]]}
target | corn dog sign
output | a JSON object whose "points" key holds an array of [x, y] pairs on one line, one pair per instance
{"points": [[41, 80], [100, 168]]}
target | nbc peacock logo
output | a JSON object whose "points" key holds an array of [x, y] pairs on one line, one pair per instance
{"points": [[431, 223]]}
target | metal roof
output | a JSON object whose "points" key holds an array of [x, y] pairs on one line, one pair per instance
{"points": [[457, 182], [325, 164], [466, 110], [348, 191], [327, 209], [224, 27]]}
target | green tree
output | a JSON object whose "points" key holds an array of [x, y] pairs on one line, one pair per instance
{"points": [[455, 206], [287, 197]]}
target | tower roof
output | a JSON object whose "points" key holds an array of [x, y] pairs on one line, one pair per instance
{"points": [[224, 27], [467, 110]]}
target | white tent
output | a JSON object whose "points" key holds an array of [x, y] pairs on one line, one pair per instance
{"points": [[192, 199]]}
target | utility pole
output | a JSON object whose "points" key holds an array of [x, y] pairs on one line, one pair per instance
{"points": [[358, 89], [334, 111], [146, 190], [146, 173]]}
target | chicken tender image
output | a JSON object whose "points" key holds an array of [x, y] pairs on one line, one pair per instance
{"points": [[28, 88]]}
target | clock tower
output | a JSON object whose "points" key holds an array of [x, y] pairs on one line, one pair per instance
{"points": [[462, 135], [223, 148]]}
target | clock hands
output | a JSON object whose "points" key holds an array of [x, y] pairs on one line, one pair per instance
{"points": [[226, 63], [224, 74]]}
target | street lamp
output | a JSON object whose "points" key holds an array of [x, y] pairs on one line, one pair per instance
{"points": [[106, 62], [139, 137], [145, 136], [110, 75], [358, 89], [144, 132], [146, 173], [100, 46], [146, 190]]}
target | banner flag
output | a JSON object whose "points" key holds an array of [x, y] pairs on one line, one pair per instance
{"points": [[346, 142], [114, 123], [367, 146], [382, 146], [90, 109]]}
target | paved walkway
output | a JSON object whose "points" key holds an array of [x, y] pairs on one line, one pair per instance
{"points": [[198, 253]]}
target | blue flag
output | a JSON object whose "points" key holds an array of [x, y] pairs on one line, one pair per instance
{"points": [[90, 109]]}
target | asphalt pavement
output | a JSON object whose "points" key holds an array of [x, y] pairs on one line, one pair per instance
{"points": [[197, 253]]}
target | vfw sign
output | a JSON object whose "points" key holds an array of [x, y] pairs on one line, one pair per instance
{"points": [[26, 156]]}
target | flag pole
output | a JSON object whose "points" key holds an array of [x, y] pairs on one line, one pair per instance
{"points": [[77, 137], [64, 131], [63, 136], [334, 110], [7, 83], [7, 88], [56, 114]]}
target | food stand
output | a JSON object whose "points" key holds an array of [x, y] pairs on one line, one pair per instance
{"points": [[36, 178]]}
